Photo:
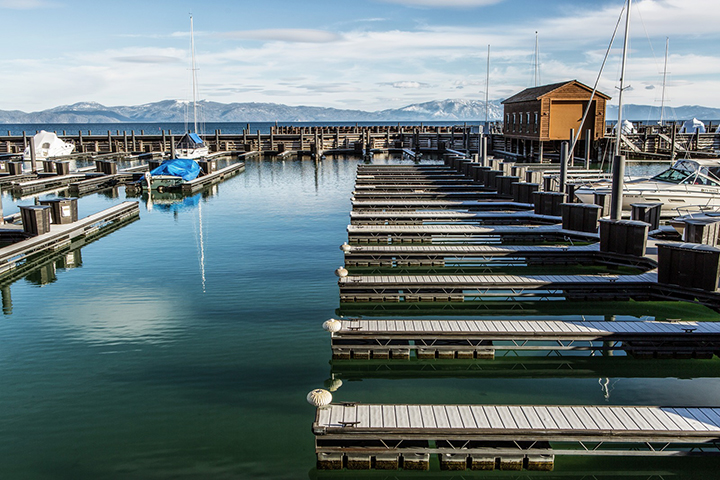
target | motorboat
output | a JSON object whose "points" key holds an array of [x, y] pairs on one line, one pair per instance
{"points": [[688, 183], [171, 174], [47, 145]]}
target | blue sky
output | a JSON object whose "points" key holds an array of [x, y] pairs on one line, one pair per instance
{"points": [[362, 54]]}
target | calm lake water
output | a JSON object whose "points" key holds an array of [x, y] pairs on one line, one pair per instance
{"points": [[183, 345]]}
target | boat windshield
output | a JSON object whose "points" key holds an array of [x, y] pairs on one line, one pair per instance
{"points": [[674, 175], [686, 171]]}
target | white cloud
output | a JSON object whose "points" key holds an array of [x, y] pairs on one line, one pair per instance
{"points": [[285, 35], [385, 68], [445, 3], [151, 59], [409, 85]]}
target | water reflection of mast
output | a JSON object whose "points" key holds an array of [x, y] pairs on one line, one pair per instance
{"points": [[202, 247]]}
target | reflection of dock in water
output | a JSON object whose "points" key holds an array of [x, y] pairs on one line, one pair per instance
{"points": [[525, 367], [38, 258]]}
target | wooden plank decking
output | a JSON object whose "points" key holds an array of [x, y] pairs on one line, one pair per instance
{"points": [[458, 338]]}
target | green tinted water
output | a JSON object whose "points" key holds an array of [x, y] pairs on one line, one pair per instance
{"points": [[183, 344]]}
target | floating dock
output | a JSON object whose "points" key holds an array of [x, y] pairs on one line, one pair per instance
{"points": [[199, 183], [485, 437], [465, 233], [403, 217], [63, 235], [467, 339], [416, 244], [464, 288]]}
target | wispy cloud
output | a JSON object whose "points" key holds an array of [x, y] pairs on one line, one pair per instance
{"points": [[152, 59], [26, 4], [299, 35], [445, 3], [407, 84]]}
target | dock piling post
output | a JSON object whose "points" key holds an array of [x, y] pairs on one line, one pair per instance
{"points": [[563, 165], [33, 157], [588, 142], [618, 174]]}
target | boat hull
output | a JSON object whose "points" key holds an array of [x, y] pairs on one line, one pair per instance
{"points": [[673, 197], [192, 153], [161, 183]]}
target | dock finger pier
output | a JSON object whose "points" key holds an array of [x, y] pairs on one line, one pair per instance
{"points": [[450, 262]]}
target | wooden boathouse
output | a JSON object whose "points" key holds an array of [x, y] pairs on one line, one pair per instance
{"points": [[550, 113]]}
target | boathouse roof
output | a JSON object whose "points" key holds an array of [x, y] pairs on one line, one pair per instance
{"points": [[536, 93]]}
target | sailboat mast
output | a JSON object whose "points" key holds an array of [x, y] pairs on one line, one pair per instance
{"points": [[487, 90], [616, 198], [194, 75], [537, 61], [662, 101], [618, 128]]}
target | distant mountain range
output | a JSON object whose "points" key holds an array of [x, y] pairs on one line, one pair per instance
{"points": [[644, 113], [177, 111], [443, 110]]}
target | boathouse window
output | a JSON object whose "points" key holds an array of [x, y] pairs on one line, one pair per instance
{"points": [[514, 122], [536, 122]]}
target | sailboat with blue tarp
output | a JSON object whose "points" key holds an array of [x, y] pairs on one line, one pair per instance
{"points": [[183, 168]]}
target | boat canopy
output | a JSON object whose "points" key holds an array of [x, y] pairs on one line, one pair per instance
{"points": [[693, 126], [48, 144], [190, 140], [185, 168]]}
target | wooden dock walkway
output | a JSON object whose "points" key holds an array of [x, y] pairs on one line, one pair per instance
{"points": [[44, 184], [477, 194], [467, 339], [199, 183], [464, 288], [484, 437], [465, 233], [405, 217], [62, 235], [429, 203], [472, 255]]}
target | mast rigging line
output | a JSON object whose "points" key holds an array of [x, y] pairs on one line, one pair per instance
{"points": [[597, 80]]}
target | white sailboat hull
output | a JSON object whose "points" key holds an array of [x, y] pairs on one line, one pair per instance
{"points": [[192, 153]]}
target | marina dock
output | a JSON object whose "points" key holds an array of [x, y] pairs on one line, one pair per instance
{"points": [[485, 437], [467, 339], [63, 236], [417, 241]]}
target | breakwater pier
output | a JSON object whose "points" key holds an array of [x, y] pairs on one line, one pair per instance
{"points": [[648, 142]]}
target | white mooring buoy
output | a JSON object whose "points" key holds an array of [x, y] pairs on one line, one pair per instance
{"points": [[332, 325], [319, 397], [345, 247], [342, 272]]}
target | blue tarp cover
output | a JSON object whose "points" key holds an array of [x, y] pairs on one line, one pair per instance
{"points": [[186, 168]]}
